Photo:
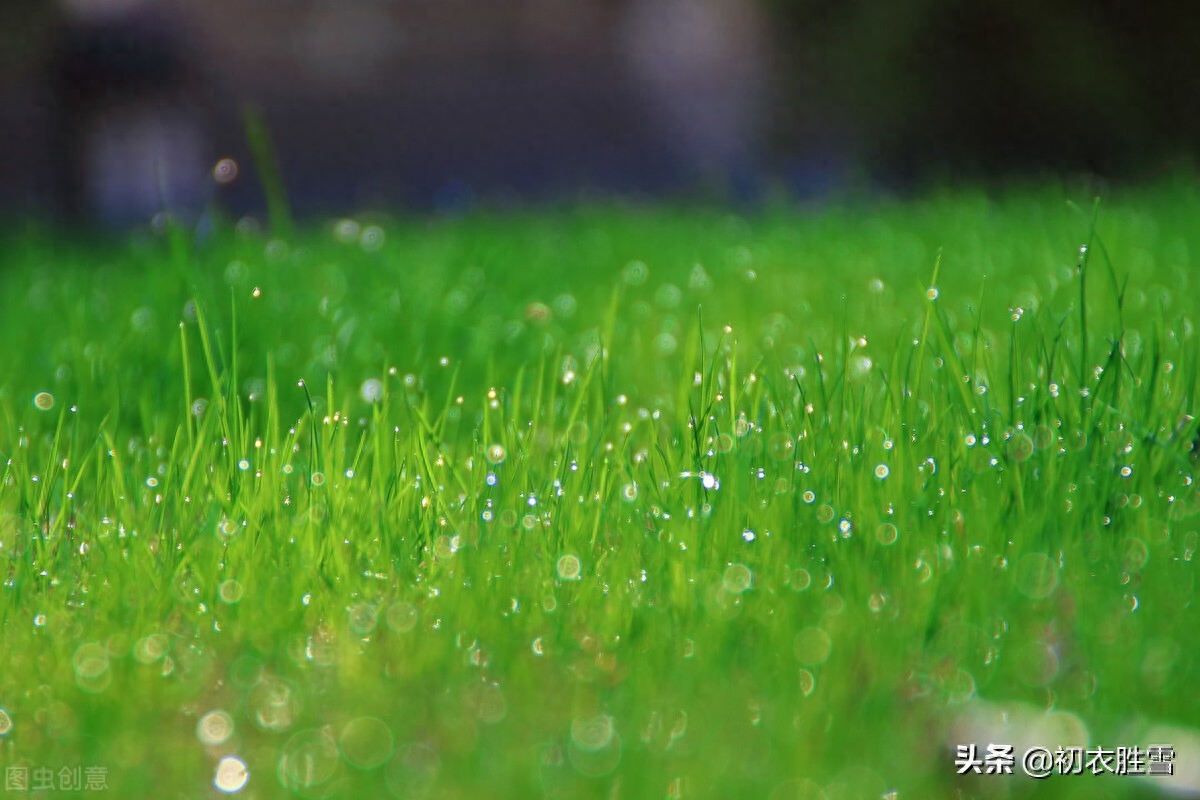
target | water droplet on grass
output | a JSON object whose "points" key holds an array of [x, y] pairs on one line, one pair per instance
{"points": [[273, 704], [346, 231], [362, 618], [413, 771], [668, 296], [371, 390], [401, 616], [366, 742], [593, 734], [309, 759], [877, 602], [799, 579], [1136, 554], [781, 447], [230, 592], [1020, 447], [812, 646], [231, 775], [227, 529], [142, 319], [959, 686], [569, 567], [1036, 575], [635, 273], [150, 648], [738, 578], [1191, 541], [235, 272], [565, 305], [665, 344], [538, 313], [92, 668], [699, 280], [371, 239], [225, 171], [496, 454], [44, 401], [214, 728], [1043, 436]]}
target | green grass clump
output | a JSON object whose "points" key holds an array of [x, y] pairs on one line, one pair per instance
{"points": [[603, 502]]}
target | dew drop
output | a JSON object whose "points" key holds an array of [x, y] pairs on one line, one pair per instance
{"points": [[214, 728], [231, 776], [569, 567], [738, 578], [812, 646], [366, 742], [371, 390]]}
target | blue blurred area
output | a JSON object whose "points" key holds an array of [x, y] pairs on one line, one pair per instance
{"points": [[112, 110], [386, 103]]}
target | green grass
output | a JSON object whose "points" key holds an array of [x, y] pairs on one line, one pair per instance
{"points": [[645, 502]]}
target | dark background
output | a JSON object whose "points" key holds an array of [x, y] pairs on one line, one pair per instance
{"points": [[108, 108]]}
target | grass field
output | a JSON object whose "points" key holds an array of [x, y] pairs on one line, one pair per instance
{"points": [[609, 502]]}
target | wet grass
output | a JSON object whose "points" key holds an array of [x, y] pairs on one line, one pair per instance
{"points": [[603, 502]]}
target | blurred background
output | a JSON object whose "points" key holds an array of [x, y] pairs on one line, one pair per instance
{"points": [[109, 108]]}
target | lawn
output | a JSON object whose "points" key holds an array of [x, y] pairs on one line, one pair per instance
{"points": [[604, 501]]}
